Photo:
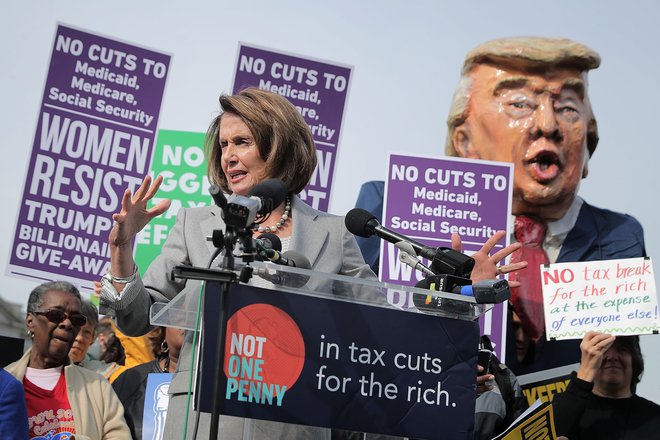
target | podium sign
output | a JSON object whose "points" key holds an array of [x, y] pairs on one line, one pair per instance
{"points": [[314, 360]]}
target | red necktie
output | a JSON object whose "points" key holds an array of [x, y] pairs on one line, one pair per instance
{"points": [[527, 300]]}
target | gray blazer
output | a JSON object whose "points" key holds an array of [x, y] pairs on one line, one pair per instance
{"points": [[321, 237]]}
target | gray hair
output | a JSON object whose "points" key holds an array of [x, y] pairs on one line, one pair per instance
{"points": [[91, 313], [541, 52], [37, 295]]}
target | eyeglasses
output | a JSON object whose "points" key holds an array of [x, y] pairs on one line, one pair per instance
{"points": [[56, 316]]}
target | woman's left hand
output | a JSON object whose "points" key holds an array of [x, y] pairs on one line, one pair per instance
{"points": [[486, 265]]}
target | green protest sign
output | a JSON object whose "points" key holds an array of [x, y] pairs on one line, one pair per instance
{"points": [[179, 158]]}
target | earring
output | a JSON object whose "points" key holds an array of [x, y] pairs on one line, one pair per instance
{"points": [[30, 334], [163, 347]]}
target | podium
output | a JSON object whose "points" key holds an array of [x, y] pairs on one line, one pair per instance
{"points": [[310, 348]]}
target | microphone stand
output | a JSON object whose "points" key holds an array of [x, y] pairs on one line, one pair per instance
{"points": [[239, 222], [231, 236], [226, 276], [227, 265]]}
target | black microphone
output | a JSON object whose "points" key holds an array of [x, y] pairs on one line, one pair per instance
{"points": [[484, 292], [443, 260], [218, 197], [218, 237], [270, 193], [242, 211], [292, 259], [267, 244], [487, 291]]}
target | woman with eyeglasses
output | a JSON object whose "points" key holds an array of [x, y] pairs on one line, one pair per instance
{"points": [[63, 399]]}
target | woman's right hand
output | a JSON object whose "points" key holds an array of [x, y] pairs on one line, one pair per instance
{"points": [[134, 214]]}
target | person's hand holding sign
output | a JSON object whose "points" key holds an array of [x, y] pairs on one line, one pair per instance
{"points": [[593, 347]]}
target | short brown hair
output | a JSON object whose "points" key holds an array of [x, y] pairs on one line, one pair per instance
{"points": [[282, 136]]}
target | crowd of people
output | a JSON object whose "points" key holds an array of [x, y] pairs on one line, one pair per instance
{"points": [[57, 387], [87, 377]]}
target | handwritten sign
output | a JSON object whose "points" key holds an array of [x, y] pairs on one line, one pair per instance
{"points": [[613, 296]]}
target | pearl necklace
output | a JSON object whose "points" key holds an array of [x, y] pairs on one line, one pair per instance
{"points": [[281, 221]]}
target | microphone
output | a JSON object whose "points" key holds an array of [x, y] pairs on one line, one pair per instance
{"points": [[270, 193], [241, 211], [267, 244], [218, 237], [405, 256], [292, 259], [218, 197], [487, 291], [484, 292], [443, 260]]}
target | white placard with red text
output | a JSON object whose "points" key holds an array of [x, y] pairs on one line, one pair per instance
{"points": [[611, 296]]}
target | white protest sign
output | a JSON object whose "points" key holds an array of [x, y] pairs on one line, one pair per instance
{"points": [[612, 296]]}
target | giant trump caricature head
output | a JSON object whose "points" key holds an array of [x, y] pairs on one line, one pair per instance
{"points": [[524, 100]]}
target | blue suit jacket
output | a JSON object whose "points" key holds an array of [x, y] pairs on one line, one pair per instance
{"points": [[14, 421], [600, 234], [371, 198]]}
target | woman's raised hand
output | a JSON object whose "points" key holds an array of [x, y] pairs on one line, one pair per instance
{"points": [[134, 214], [485, 265]]}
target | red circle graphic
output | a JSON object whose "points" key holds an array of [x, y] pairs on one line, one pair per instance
{"points": [[282, 351]]}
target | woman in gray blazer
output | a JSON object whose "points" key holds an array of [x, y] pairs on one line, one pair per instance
{"points": [[259, 135]]}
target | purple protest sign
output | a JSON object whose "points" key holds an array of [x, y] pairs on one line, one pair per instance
{"points": [[318, 89], [94, 138], [428, 199]]}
